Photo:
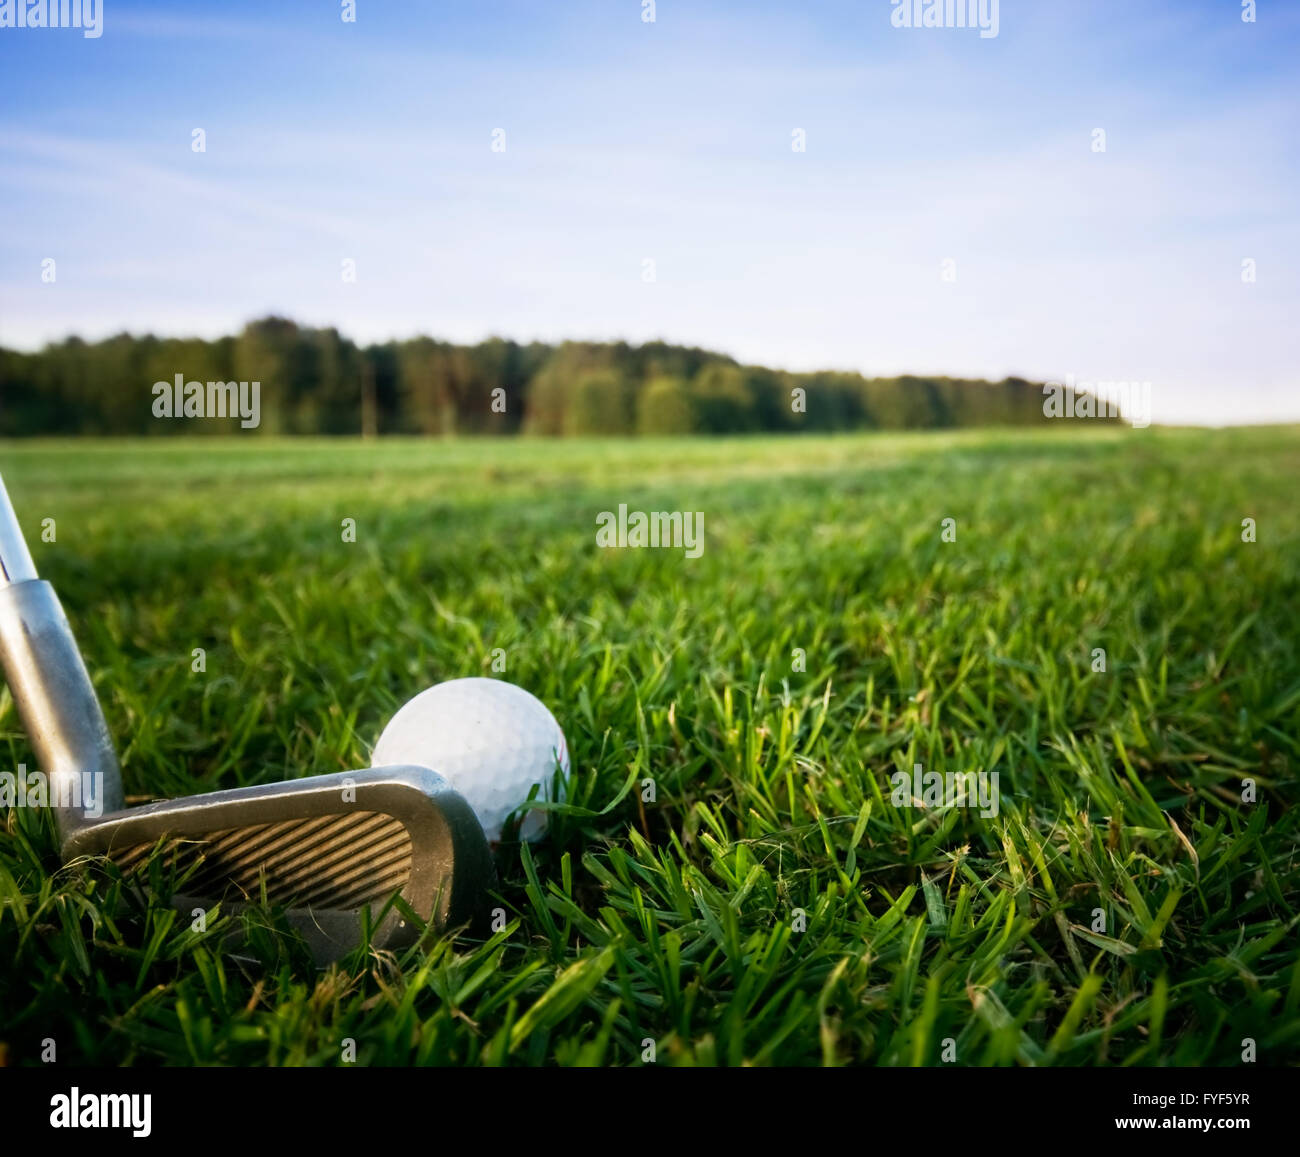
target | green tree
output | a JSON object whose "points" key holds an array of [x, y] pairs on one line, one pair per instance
{"points": [[600, 403], [723, 401], [663, 406]]}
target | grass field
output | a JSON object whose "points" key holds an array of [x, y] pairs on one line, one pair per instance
{"points": [[771, 905]]}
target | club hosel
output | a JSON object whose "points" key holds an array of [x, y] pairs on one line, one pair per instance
{"points": [[58, 706]]}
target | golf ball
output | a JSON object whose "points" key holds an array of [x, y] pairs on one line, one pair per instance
{"points": [[490, 739]]}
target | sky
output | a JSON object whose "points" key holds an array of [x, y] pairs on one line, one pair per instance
{"points": [[950, 211]]}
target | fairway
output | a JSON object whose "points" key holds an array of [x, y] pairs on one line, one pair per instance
{"points": [[731, 880]]}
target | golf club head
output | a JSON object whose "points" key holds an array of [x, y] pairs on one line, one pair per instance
{"points": [[332, 850], [325, 848]]}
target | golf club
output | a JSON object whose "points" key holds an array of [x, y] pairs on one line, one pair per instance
{"points": [[327, 848]]}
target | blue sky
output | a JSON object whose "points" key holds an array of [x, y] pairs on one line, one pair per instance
{"points": [[671, 141]]}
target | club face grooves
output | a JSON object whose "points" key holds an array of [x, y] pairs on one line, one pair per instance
{"points": [[331, 850], [338, 862]]}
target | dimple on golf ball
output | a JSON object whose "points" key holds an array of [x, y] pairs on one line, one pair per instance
{"points": [[491, 740]]}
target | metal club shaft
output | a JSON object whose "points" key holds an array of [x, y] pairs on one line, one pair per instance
{"points": [[51, 688], [16, 564]]}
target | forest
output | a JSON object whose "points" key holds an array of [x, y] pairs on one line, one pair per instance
{"points": [[316, 381]]}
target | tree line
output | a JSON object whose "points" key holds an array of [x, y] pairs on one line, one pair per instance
{"points": [[315, 381]]}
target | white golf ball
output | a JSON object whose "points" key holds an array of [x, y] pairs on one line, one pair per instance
{"points": [[490, 739]]}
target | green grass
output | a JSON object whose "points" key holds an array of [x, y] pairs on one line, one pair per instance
{"points": [[927, 933]]}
